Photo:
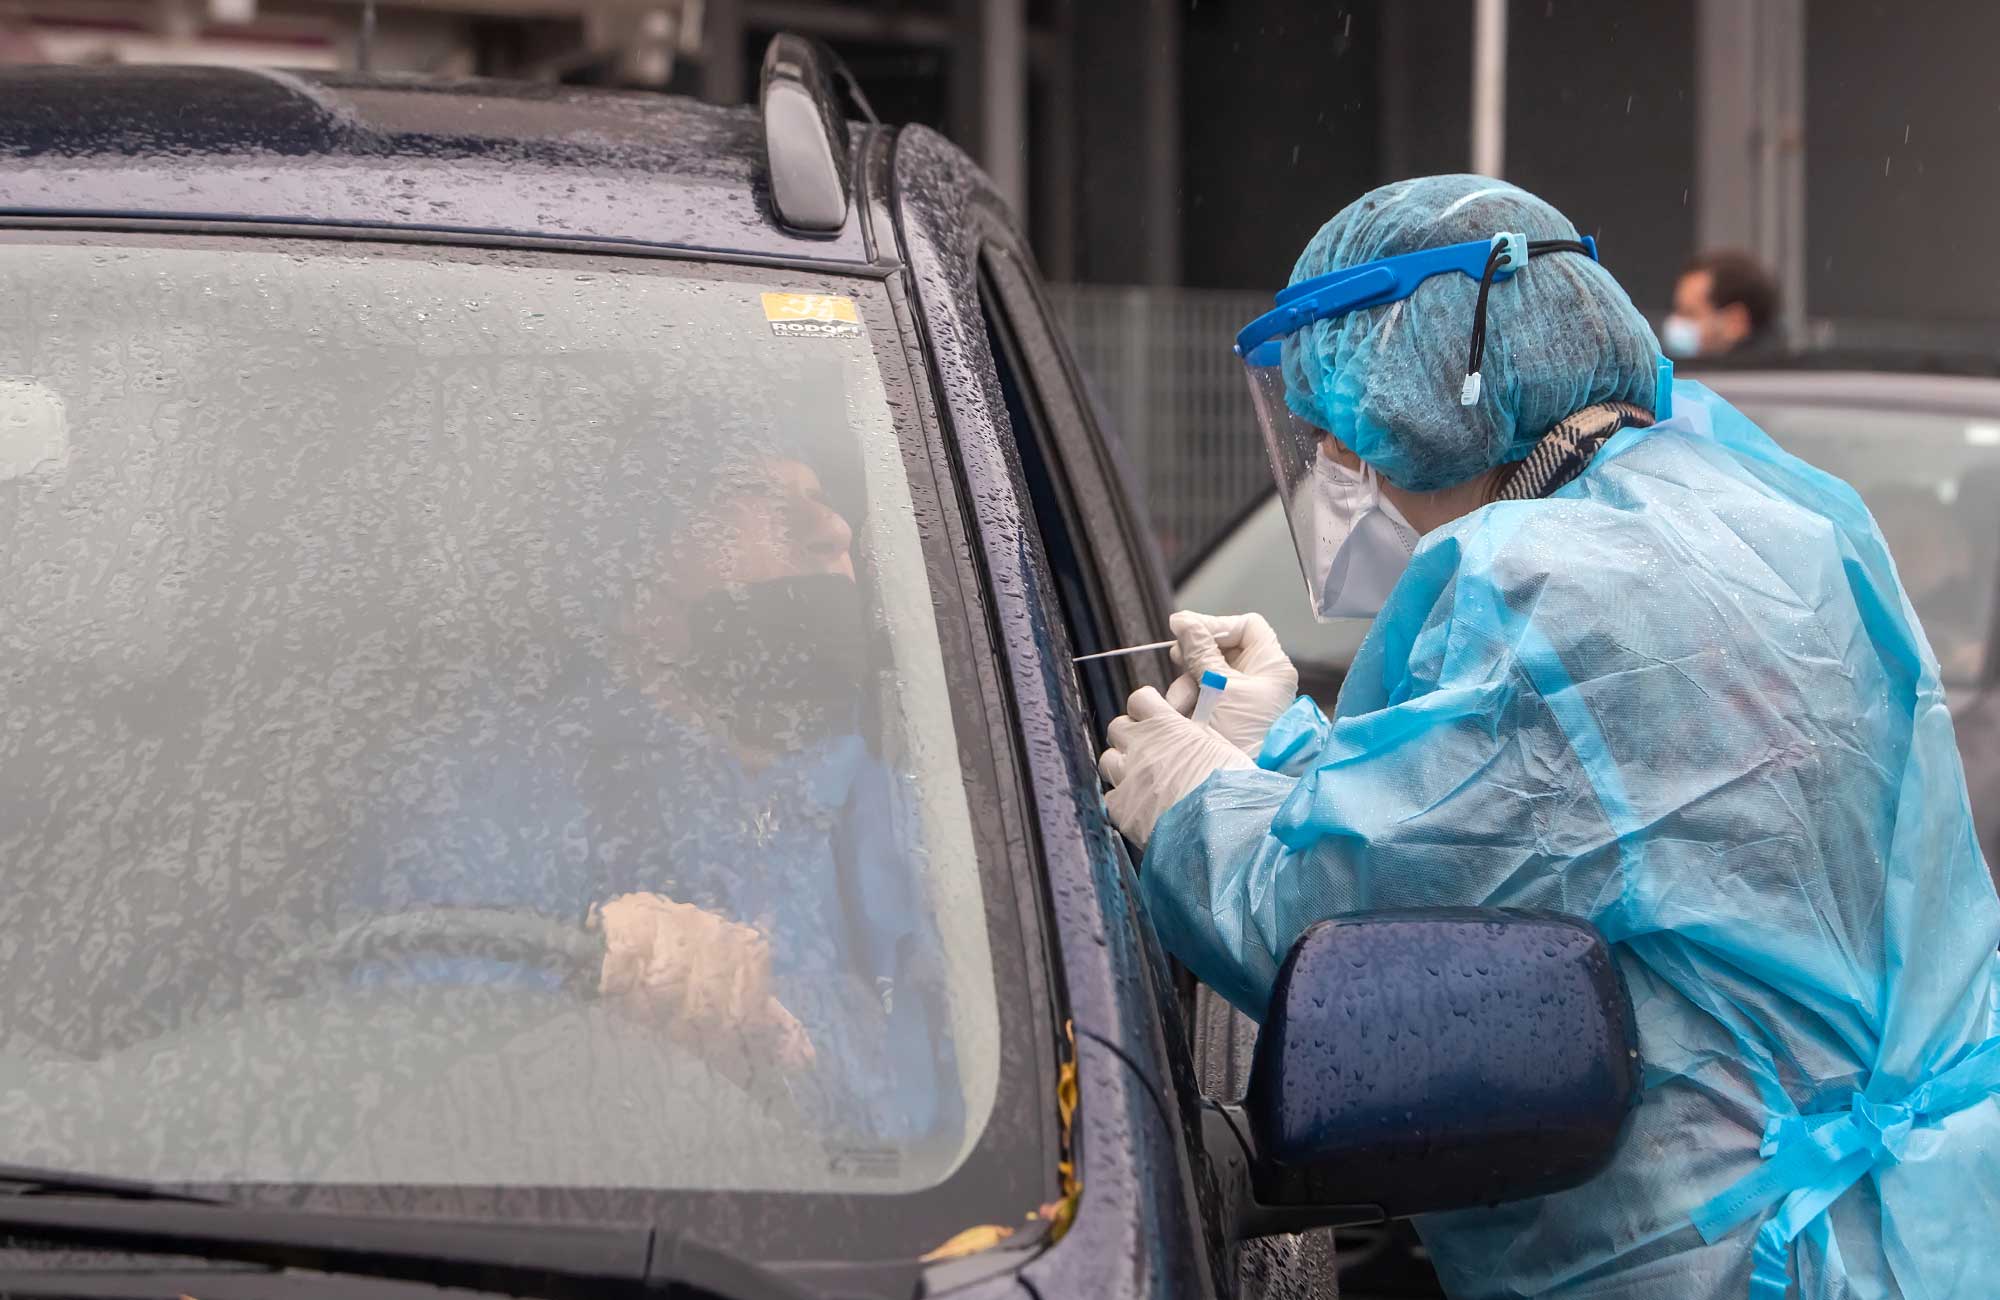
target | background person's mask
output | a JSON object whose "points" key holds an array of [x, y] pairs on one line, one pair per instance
{"points": [[1680, 337], [1362, 542]]}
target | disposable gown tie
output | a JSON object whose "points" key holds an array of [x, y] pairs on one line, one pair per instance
{"points": [[1813, 1161], [1685, 698]]}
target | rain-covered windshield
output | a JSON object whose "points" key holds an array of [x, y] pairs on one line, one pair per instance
{"points": [[470, 721]]}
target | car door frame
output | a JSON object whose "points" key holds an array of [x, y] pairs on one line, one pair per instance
{"points": [[1209, 1042], [1145, 1221]]}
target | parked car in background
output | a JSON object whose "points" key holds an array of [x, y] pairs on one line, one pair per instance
{"points": [[448, 530]]}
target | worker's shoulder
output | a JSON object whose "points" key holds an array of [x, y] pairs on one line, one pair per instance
{"points": [[1643, 481], [1539, 532], [1596, 536]]}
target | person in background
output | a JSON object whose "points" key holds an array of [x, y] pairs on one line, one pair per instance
{"points": [[1724, 302]]}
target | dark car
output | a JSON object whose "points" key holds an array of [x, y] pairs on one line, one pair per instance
{"points": [[541, 751]]}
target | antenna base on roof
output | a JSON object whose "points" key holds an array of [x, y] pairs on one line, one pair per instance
{"points": [[805, 136]]}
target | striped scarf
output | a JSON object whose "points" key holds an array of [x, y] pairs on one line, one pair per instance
{"points": [[1565, 449]]}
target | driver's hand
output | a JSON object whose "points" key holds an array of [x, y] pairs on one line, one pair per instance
{"points": [[704, 978]]}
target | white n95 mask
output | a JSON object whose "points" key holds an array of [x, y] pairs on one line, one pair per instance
{"points": [[1362, 543], [1680, 337]]}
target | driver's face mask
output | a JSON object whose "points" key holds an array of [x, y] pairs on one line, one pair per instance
{"points": [[1362, 543]]}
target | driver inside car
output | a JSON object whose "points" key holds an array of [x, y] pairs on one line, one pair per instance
{"points": [[767, 918], [723, 824], [722, 635]]}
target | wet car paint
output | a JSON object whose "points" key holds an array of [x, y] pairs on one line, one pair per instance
{"points": [[1138, 1230], [463, 157]]}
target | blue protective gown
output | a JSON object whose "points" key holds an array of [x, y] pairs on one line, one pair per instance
{"points": [[1685, 698]]}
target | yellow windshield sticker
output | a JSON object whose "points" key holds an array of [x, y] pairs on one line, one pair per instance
{"points": [[812, 316]]}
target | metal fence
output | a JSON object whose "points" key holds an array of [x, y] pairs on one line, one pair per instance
{"points": [[1167, 387]]}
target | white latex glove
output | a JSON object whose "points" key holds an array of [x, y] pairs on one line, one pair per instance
{"points": [[704, 978], [1156, 759], [1243, 648]]}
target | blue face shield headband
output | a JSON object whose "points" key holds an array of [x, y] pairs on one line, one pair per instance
{"points": [[1391, 279], [1341, 527]]}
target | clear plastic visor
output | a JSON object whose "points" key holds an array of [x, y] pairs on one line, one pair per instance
{"points": [[1294, 447]]}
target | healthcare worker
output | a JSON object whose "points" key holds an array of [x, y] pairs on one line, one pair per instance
{"points": [[1658, 674]]}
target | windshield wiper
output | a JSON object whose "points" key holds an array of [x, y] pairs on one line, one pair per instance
{"points": [[34, 1180], [558, 1261]]}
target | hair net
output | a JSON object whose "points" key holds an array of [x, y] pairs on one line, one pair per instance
{"points": [[1685, 699], [1385, 380]]}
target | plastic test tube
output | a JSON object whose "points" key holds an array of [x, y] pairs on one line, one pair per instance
{"points": [[1212, 686]]}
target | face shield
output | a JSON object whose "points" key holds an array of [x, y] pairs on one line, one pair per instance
{"points": [[1352, 542]]}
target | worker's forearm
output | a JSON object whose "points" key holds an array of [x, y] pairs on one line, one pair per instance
{"points": [[1296, 740], [1207, 881]]}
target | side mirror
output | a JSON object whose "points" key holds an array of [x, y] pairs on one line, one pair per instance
{"points": [[1430, 1060]]}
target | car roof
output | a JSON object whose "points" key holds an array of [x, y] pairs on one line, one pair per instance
{"points": [[471, 156], [1967, 361], [1874, 390]]}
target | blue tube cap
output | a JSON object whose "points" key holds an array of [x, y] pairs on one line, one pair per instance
{"points": [[1210, 677]]}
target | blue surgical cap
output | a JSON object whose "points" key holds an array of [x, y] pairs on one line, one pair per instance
{"points": [[1560, 335]]}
